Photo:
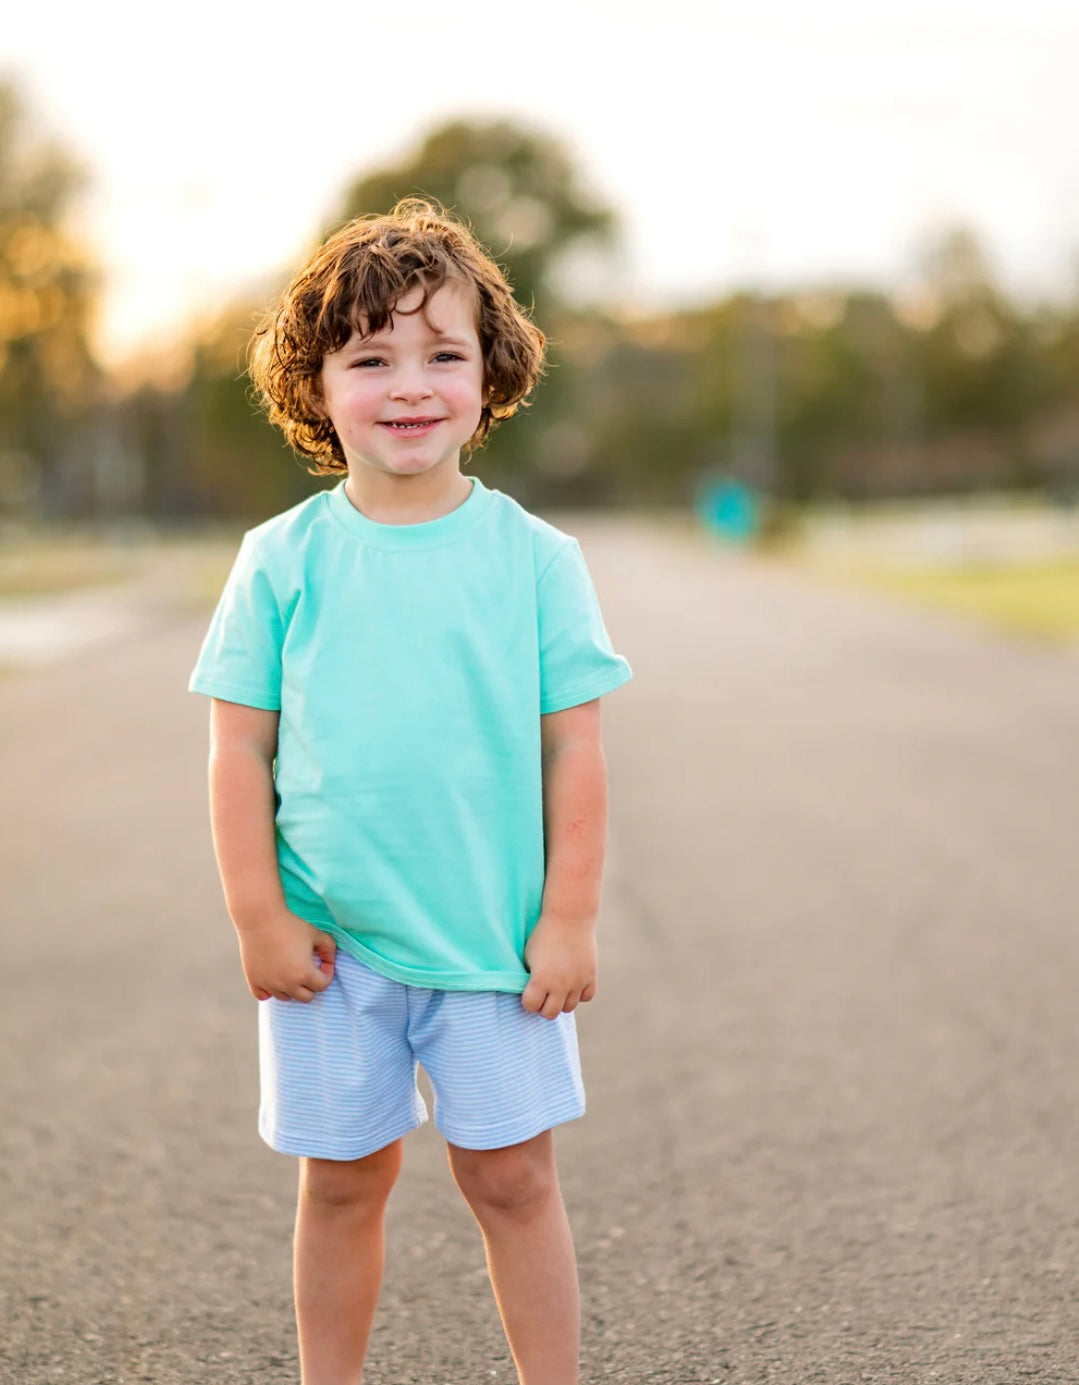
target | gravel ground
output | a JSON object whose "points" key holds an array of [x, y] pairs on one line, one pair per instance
{"points": [[831, 1068]]}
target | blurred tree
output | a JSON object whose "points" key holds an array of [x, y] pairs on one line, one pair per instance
{"points": [[48, 378], [841, 370], [240, 465], [966, 353], [516, 188], [947, 387], [978, 358]]}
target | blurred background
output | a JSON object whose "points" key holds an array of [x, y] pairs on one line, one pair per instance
{"points": [[811, 280]]}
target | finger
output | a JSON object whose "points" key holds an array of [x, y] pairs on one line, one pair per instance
{"points": [[259, 993], [326, 948], [552, 1007], [533, 997], [304, 993], [282, 995], [572, 1001], [320, 975], [588, 992]]}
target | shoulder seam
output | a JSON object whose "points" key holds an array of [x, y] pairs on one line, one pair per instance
{"points": [[570, 540]]}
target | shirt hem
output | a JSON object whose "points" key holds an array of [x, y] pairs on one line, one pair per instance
{"points": [[425, 979]]}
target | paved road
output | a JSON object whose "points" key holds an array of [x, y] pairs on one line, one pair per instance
{"points": [[832, 1069]]}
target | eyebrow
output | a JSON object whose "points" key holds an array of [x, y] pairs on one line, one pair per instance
{"points": [[383, 340]]}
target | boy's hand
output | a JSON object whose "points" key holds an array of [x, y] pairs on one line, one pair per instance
{"points": [[286, 957], [561, 955]]}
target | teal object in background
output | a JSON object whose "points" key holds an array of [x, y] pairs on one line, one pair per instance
{"points": [[730, 509]]}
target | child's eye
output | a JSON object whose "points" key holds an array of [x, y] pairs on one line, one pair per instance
{"points": [[377, 360]]}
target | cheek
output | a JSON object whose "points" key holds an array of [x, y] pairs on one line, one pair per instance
{"points": [[355, 398], [467, 392]]}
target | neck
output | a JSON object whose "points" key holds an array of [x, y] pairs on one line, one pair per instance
{"points": [[406, 499]]}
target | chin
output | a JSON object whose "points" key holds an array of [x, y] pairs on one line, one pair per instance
{"points": [[415, 468]]}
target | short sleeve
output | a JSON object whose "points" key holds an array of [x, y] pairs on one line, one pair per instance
{"points": [[577, 662], [240, 660]]}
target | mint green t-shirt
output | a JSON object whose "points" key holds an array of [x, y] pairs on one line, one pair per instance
{"points": [[410, 665]]}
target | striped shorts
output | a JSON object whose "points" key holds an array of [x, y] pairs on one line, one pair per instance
{"points": [[338, 1073]]}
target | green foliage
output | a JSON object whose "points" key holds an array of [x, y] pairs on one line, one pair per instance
{"points": [[243, 466], [830, 392], [516, 188], [837, 392]]}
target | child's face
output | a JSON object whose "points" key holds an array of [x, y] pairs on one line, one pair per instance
{"points": [[421, 366]]}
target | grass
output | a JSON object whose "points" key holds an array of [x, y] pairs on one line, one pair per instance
{"points": [[190, 569], [1036, 600], [51, 566]]}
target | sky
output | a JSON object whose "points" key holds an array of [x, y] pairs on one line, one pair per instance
{"points": [[777, 145]]}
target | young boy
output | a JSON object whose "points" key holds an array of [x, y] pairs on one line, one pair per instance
{"points": [[407, 784]]}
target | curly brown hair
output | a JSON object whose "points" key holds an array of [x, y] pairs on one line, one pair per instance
{"points": [[353, 282]]}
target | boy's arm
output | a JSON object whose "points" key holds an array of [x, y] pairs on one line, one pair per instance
{"points": [[276, 945], [561, 950]]}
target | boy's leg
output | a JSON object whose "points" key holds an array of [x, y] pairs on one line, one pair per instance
{"points": [[339, 1255], [514, 1195]]}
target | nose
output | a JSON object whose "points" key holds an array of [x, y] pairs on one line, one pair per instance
{"points": [[410, 382]]}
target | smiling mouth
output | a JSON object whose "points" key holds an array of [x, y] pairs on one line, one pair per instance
{"points": [[413, 426]]}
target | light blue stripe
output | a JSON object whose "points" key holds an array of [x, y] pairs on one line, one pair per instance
{"points": [[339, 1073]]}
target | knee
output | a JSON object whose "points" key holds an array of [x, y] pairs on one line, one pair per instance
{"points": [[516, 1179], [337, 1184]]}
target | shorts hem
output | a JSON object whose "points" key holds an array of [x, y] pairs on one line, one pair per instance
{"points": [[284, 1144], [512, 1135]]}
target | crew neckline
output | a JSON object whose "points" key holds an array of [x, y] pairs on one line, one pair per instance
{"points": [[423, 535]]}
